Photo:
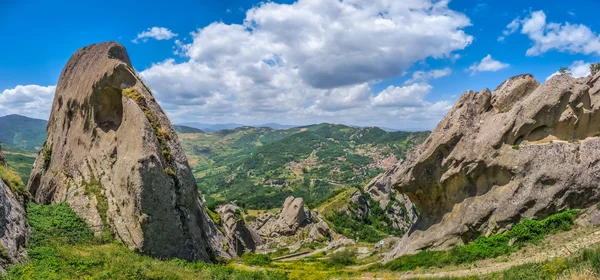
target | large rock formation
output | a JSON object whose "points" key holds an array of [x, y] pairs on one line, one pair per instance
{"points": [[292, 226], [14, 229], [113, 155], [241, 237], [287, 222], [523, 151]]}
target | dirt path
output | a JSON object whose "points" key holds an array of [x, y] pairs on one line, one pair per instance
{"points": [[556, 246], [297, 256]]}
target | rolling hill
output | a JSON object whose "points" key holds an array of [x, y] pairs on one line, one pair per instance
{"points": [[259, 167], [22, 132]]}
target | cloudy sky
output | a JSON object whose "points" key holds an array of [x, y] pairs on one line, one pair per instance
{"points": [[399, 64]]}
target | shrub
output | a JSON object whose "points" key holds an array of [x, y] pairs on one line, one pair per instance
{"points": [[343, 258], [564, 70], [256, 259], [12, 179], [516, 147], [594, 68]]}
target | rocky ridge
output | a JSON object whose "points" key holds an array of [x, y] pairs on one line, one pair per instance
{"points": [[523, 151], [114, 157]]}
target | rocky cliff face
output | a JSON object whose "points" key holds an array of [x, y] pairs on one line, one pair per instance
{"points": [[522, 151], [241, 237], [113, 155], [399, 209], [14, 229]]}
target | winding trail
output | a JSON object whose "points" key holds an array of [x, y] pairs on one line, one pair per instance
{"points": [[301, 255]]}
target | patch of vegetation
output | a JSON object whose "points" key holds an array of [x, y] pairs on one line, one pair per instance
{"points": [[3, 254], [564, 70], [340, 259], [62, 247], [488, 247], [370, 227], [13, 180], [216, 218], [94, 188], [253, 259], [249, 219], [516, 147], [20, 163], [594, 68], [162, 135], [46, 153]]}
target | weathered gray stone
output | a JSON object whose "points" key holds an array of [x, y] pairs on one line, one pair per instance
{"points": [[113, 155], [484, 168], [14, 230], [241, 237]]}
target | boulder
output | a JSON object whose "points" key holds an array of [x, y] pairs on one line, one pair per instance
{"points": [[241, 237], [492, 161], [14, 230], [114, 157], [287, 221], [292, 214], [320, 230]]}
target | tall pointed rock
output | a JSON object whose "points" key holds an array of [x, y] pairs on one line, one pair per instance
{"points": [[113, 155]]}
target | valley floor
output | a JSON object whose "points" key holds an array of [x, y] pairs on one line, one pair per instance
{"points": [[61, 247]]}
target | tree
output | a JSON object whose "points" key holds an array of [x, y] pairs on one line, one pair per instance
{"points": [[594, 68], [564, 70]]}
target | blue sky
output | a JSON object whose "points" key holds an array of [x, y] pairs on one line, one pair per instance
{"points": [[398, 64]]}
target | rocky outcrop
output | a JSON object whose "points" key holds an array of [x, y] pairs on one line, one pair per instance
{"points": [[496, 158], [241, 237], [287, 221], [398, 207], [14, 229], [292, 226], [113, 155]]}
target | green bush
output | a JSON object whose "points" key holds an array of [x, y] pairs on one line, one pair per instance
{"points": [[343, 258], [256, 259], [12, 179]]}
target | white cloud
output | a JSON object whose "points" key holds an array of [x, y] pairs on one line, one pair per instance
{"points": [[407, 96], [324, 68], [487, 64], [158, 33], [422, 76], [547, 36], [511, 28], [30, 100], [578, 69]]}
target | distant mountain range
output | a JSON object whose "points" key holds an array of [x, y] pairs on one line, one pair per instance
{"points": [[22, 132], [26, 133], [216, 127]]}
